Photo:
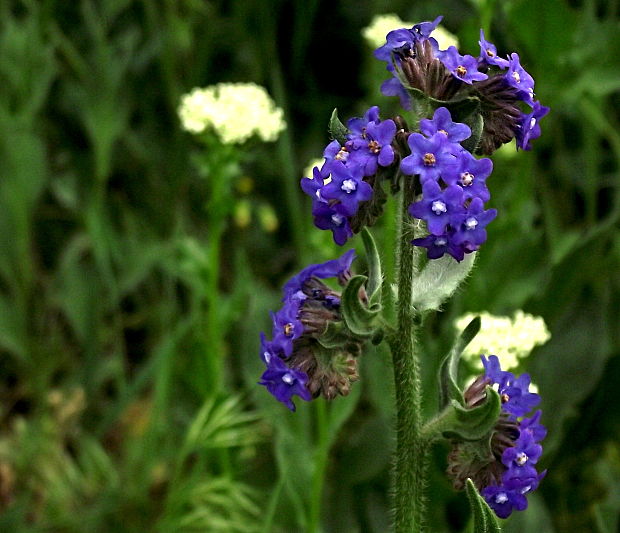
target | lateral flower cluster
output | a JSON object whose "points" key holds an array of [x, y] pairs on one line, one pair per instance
{"points": [[347, 176], [296, 363], [453, 187], [509, 474], [504, 87]]}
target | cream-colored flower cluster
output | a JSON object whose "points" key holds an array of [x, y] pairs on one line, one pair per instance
{"points": [[381, 25], [234, 111], [509, 338]]}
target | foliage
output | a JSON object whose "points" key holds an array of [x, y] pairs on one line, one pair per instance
{"points": [[129, 366]]}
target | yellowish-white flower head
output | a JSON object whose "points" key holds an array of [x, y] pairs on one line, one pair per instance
{"points": [[234, 111], [509, 338], [381, 25]]}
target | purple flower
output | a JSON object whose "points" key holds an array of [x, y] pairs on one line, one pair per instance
{"points": [[529, 128], [465, 68], [438, 207], [519, 78], [470, 174], [312, 187], [429, 157], [402, 41], [520, 457], [393, 87], [488, 53], [374, 147], [494, 372], [347, 186], [470, 224], [358, 125], [505, 498], [438, 245], [442, 123], [286, 327], [334, 219], [335, 152], [533, 426], [284, 382], [516, 398], [330, 269], [423, 30], [268, 349]]}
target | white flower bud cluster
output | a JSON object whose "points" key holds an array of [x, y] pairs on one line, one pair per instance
{"points": [[509, 338], [381, 25], [234, 111]]}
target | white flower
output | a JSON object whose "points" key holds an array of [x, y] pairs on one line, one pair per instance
{"points": [[381, 25], [509, 338], [234, 111]]}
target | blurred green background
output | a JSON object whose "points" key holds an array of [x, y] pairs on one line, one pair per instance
{"points": [[130, 304]]}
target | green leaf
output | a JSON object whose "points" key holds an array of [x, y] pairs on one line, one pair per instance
{"points": [[359, 318], [438, 281], [448, 370], [375, 273], [337, 129], [472, 424], [485, 520]]}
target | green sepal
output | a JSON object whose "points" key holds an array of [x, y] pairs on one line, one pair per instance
{"points": [[484, 519], [336, 335], [438, 280], [375, 273], [448, 370], [337, 129], [471, 424], [362, 320]]}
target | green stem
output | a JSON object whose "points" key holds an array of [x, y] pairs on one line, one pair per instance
{"points": [[409, 469], [320, 465]]}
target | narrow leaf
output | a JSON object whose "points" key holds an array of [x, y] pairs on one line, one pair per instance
{"points": [[375, 273], [337, 129], [472, 424], [485, 520], [359, 318], [448, 371], [438, 281]]}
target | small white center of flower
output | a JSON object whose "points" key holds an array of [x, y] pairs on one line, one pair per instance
{"points": [[337, 219], [532, 122], [444, 132], [288, 379], [342, 155], [467, 178], [438, 207], [441, 241], [374, 147], [501, 498], [348, 186], [516, 77], [267, 357], [526, 489], [471, 223], [521, 459]]}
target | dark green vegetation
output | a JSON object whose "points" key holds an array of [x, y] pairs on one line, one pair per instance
{"points": [[128, 371]]}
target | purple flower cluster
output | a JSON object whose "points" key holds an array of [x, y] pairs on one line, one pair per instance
{"points": [[308, 305], [519, 475], [453, 187], [341, 184], [501, 83]]}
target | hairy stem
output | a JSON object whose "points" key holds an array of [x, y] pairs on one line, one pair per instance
{"points": [[409, 467]]}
